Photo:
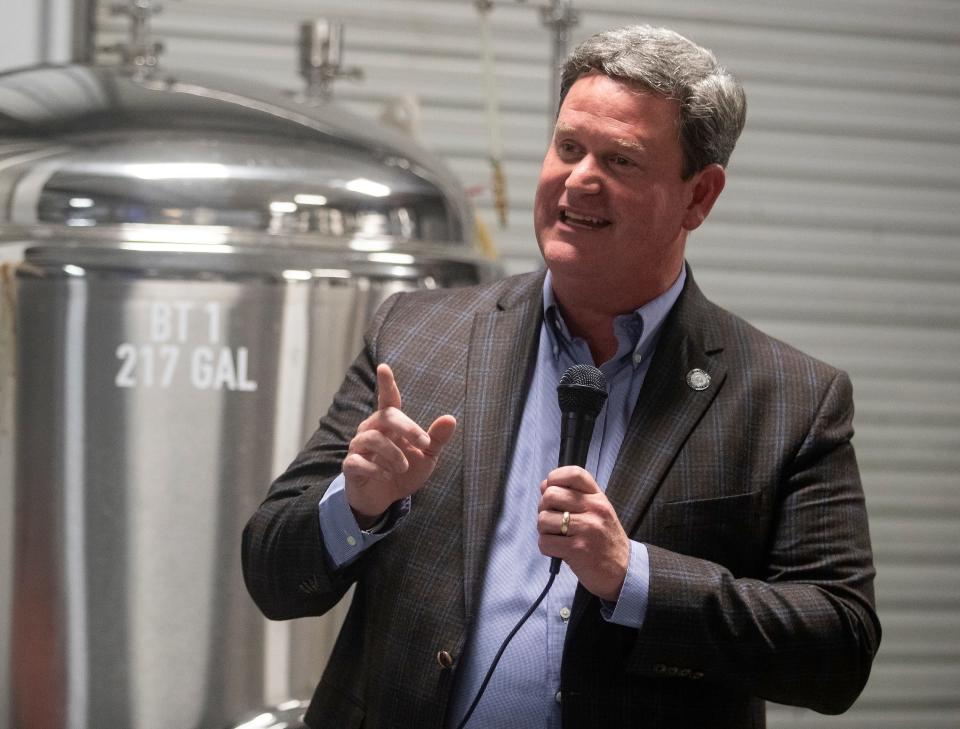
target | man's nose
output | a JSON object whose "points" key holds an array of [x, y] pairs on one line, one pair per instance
{"points": [[584, 176]]}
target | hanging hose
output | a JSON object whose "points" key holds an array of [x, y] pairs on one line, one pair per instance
{"points": [[499, 182]]}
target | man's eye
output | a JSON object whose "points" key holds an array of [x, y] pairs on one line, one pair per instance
{"points": [[618, 160]]}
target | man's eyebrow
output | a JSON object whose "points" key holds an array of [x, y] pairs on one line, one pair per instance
{"points": [[628, 145]]}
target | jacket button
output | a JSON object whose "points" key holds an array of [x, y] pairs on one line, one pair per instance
{"points": [[696, 675], [660, 668], [445, 659], [558, 697]]}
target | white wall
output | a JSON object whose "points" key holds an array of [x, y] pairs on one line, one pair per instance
{"points": [[35, 31], [20, 39]]}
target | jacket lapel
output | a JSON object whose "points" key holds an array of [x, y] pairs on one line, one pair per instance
{"points": [[667, 410], [502, 350]]}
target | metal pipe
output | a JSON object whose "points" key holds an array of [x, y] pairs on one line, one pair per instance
{"points": [[321, 56], [560, 17], [82, 37], [141, 54]]}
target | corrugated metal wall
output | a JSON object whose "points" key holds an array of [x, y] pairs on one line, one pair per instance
{"points": [[839, 230]]}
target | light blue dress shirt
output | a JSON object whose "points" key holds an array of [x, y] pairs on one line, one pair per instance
{"points": [[525, 688]]}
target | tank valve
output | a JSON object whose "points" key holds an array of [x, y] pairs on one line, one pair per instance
{"points": [[140, 53], [321, 56]]}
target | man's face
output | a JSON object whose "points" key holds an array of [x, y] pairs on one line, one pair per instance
{"points": [[612, 210]]}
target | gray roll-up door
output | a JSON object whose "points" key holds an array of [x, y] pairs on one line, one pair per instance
{"points": [[839, 230]]}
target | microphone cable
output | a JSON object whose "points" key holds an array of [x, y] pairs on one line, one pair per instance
{"points": [[503, 647], [581, 394]]}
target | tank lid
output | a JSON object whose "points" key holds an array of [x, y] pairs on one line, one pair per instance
{"points": [[96, 147]]}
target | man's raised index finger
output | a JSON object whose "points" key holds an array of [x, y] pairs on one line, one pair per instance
{"points": [[388, 394]]}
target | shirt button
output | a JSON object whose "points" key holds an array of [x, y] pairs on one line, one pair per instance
{"points": [[558, 697], [565, 613], [351, 540]]}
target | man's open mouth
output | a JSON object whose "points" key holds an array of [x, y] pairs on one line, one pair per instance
{"points": [[583, 221]]}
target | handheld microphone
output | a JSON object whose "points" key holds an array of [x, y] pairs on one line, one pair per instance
{"points": [[581, 394]]}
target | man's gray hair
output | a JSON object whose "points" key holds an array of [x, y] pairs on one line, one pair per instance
{"points": [[713, 107]]}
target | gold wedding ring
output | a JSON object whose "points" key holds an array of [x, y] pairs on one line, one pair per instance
{"points": [[565, 523]]}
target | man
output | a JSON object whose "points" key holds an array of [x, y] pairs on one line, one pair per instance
{"points": [[715, 549]]}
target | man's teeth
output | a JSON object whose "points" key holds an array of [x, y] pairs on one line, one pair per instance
{"points": [[585, 219]]}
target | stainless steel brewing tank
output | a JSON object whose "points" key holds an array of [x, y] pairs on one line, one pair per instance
{"points": [[201, 259], [156, 401]]}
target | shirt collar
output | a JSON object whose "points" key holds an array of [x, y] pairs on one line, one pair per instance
{"points": [[637, 331]]}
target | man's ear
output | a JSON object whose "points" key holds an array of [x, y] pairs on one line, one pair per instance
{"points": [[706, 186]]}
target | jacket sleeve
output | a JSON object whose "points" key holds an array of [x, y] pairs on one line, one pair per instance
{"points": [[807, 632], [286, 567]]}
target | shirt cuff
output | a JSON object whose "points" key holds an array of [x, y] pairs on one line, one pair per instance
{"points": [[630, 609], [343, 538]]}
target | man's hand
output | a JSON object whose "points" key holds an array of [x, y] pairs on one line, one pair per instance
{"points": [[390, 456], [595, 545]]}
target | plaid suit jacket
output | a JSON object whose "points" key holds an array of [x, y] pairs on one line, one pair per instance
{"points": [[747, 493]]}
